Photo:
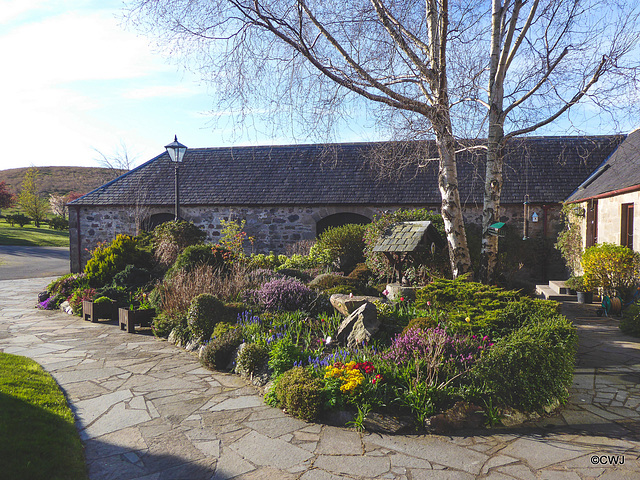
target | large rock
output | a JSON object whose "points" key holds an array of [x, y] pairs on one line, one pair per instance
{"points": [[359, 327], [347, 304], [395, 292]]}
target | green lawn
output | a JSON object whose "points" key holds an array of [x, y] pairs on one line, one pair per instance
{"points": [[29, 235], [38, 438]]}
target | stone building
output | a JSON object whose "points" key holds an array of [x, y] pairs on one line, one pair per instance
{"points": [[292, 193], [606, 200]]}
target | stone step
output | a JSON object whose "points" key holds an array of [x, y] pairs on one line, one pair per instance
{"points": [[559, 287], [548, 293]]}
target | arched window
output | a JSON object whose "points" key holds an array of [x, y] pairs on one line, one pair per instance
{"points": [[339, 219]]}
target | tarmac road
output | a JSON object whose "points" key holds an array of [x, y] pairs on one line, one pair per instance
{"points": [[18, 262]]}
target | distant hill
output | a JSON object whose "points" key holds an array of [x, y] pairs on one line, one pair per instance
{"points": [[62, 180]]}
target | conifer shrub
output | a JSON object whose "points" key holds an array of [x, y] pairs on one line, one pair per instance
{"points": [[251, 358], [109, 259], [300, 394], [532, 367], [218, 353], [204, 312], [342, 246], [163, 324], [131, 278]]}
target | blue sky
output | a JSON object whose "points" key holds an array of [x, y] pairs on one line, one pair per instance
{"points": [[74, 81]]}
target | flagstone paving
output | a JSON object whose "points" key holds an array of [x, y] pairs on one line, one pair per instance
{"points": [[147, 410]]}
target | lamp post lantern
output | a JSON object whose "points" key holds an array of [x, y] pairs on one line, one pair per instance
{"points": [[176, 152]]}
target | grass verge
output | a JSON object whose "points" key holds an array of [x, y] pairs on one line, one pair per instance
{"points": [[38, 437], [32, 236]]}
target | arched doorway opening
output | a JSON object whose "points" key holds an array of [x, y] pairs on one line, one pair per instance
{"points": [[339, 219], [156, 219]]}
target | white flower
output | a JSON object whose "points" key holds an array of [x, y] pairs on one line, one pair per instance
{"points": [[327, 341], [351, 295]]}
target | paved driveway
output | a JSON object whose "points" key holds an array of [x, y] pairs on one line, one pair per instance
{"points": [[33, 262]]}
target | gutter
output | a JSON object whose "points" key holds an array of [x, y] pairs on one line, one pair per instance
{"points": [[612, 193]]}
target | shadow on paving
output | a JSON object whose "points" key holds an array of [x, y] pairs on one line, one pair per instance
{"points": [[107, 461]]}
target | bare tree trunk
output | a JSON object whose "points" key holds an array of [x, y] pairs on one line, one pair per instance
{"points": [[451, 209]]}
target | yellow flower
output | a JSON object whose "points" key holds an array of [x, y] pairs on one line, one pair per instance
{"points": [[468, 319]]}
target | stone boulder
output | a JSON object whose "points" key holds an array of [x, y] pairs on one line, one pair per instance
{"points": [[395, 292], [359, 327], [347, 304]]}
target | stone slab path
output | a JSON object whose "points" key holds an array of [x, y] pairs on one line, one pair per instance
{"points": [[147, 410]]}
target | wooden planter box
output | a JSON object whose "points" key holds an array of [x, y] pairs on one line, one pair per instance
{"points": [[130, 318], [92, 311]]}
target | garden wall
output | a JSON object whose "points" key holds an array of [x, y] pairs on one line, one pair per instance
{"points": [[272, 227]]}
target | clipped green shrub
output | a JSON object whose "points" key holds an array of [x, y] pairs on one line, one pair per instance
{"points": [[101, 300], [299, 262], [131, 277], [163, 324], [630, 321], [251, 358], [341, 289], [342, 246], [326, 281], [109, 259], [299, 393], [532, 367], [218, 353], [361, 273], [221, 328], [204, 312], [171, 238]]}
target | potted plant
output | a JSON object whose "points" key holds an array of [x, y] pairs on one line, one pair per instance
{"points": [[101, 307], [584, 294], [139, 313]]}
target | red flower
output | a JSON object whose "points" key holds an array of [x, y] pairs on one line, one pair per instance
{"points": [[377, 378]]}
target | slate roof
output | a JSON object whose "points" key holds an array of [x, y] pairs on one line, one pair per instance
{"points": [[547, 168], [402, 237], [620, 171]]}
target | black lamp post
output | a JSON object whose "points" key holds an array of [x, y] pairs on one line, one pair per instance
{"points": [[176, 152]]}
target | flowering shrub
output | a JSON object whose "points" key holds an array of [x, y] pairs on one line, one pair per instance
{"points": [[611, 267], [66, 284], [284, 294], [48, 304], [75, 300], [435, 354]]}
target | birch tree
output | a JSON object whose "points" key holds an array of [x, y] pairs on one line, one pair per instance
{"points": [[546, 56], [309, 59]]}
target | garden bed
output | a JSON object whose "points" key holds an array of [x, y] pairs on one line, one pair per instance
{"points": [[460, 356]]}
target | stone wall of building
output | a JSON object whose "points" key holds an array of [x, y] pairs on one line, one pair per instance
{"points": [[610, 218], [272, 227]]}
